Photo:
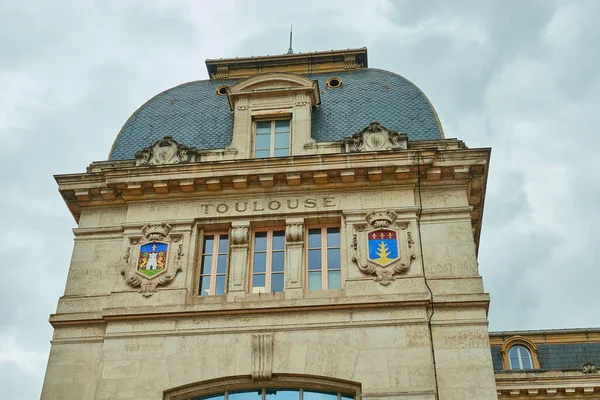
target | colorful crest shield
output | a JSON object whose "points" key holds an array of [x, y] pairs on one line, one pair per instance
{"points": [[153, 259], [383, 246]]}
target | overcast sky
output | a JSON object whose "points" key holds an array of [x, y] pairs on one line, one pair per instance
{"points": [[519, 76]]}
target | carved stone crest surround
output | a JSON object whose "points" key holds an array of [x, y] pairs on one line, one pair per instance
{"points": [[165, 151], [383, 220], [159, 234], [376, 137]]}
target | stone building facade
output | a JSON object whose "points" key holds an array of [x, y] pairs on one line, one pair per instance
{"points": [[295, 227]]}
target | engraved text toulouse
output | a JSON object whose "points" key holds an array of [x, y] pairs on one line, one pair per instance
{"points": [[272, 205]]}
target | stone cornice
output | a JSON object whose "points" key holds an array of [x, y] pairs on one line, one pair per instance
{"points": [[109, 184], [299, 63], [558, 384], [264, 306]]}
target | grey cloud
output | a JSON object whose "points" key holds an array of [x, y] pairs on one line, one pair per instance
{"points": [[518, 76]]}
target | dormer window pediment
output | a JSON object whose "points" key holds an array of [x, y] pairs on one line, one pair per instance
{"points": [[274, 84]]}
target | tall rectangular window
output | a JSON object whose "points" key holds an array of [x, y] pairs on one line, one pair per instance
{"points": [[213, 264], [324, 260], [272, 138], [268, 261]]}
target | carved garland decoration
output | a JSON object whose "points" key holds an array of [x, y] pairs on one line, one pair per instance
{"points": [[385, 249], [152, 265]]}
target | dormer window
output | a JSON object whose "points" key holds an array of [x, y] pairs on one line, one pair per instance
{"points": [[272, 115], [272, 138]]}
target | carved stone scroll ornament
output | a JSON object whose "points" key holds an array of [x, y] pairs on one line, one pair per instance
{"points": [[239, 235], [165, 151], [294, 232], [384, 250], [376, 137], [589, 368], [152, 266]]}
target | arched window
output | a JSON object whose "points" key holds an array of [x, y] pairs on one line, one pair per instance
{"points": [[278, 387], [519, 353], [276, 394], [519, 357]]}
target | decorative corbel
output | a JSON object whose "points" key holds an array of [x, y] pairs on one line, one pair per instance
{"points": [[262, 356]]}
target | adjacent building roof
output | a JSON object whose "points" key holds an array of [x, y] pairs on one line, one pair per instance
{"points": [[194, 115], [559, 356]]}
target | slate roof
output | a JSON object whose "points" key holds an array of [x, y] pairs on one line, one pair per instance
{"points": [[559, 356], [195, 116]]}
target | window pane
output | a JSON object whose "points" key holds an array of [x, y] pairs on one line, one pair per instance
{"points": [[208, 243], [222, 264], [514, 363], [278, 394], [314, 238], [277, 283], [254, 395], [333, 237], [263, 127], [278, 240], [314, 281], [277, 261], [281, 153], [204, 285], [260, 262], [258, 281], [223, 242], [262, 142], [525, 358], [314, 259], [333, 258], [212, 397], [206, 264], [282, 140], [260, 241], [347, 397], [319, 396], [262, 153], [282, 125], [334, 279], [220, 287]]}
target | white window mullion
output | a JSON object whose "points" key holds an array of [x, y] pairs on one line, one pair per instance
{"points": [[272, 150], [324, 271]]}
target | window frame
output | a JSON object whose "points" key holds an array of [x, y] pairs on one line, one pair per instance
{"points": [[324, 268], [272, 120], [519, 341], [278, 381], [214, 263], [268, 259], [263, 393]]}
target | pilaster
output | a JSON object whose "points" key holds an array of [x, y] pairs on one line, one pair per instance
{"points": [[239, 247], [294, 250]]}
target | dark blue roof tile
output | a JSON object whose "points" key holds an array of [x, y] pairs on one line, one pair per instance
{"points": [[195, 116]]}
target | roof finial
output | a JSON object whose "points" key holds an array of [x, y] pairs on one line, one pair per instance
{"points": [[290, 50]]}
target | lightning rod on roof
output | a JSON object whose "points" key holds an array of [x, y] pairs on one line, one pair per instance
{"points": [[290, 50]]}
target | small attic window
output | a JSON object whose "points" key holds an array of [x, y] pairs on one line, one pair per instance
{"points": [[222, 90], [334, 82]]}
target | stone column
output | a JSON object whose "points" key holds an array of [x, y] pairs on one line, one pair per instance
{"points": [[238, 262], [294, 250]]}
